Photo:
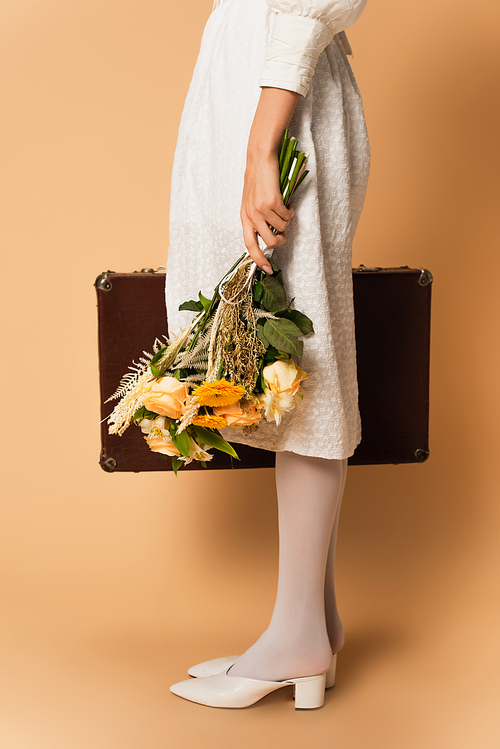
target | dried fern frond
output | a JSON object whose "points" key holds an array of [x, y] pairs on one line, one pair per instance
{"points": [[129, 379], [165, 362], [200, 361], [189, 359], [194, 378], [120, 417]]}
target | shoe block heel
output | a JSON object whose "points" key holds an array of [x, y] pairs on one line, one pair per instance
{"points": [[330, 674], [309, 692]]}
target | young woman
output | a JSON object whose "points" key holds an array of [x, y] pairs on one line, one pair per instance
{"points": [[263, 66]]}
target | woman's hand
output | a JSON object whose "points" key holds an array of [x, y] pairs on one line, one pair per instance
{"points": [[262, 202]]}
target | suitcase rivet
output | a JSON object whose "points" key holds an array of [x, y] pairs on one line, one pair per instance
{"points": [[108, 464], [102, 282], [421, 454], [160, 269], [425, 277]]}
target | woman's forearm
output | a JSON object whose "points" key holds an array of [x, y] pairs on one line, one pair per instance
{"points": [[272, 116], [262, 202]]}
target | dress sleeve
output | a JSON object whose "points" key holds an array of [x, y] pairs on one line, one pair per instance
{"points": [[302, 29]]}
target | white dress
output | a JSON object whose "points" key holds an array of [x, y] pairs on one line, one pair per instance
{"points": [[295, 45]]}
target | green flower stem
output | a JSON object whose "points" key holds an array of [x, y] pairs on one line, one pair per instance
{"points": [[293, 179], [299, 181], [284, 145], [288, 158]]}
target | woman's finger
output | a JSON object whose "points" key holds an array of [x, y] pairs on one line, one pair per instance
{"points": [[272, 218], [285, 214], [276, 215], [268, 237], [250, 238]]}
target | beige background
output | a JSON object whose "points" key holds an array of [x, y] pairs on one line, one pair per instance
{"points": [[112, 585]]}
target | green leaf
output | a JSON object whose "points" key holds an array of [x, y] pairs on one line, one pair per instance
{"points": [[176, 464], [261, 336], [273, 265], [282, 334], [155, 371], [158, 355], [205, 302], [273, 355], [258, 384], [258, 292], [150, 414], [182, 442], [301, 321], [139, 414], [263, 383], [177, 374], [270, 355], [274, 299], [212, 438], [203, 463], [192, 306]]}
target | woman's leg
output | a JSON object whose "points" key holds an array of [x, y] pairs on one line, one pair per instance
{"points": [[333, 622], [296, 641]]}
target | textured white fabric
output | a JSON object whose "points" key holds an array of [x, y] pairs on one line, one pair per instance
{"points": [[292, 53], [301, 31], [337, 14], [205, 227]]}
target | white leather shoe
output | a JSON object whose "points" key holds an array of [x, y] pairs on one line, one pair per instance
{"points": [[224, 690], [217, 665]]}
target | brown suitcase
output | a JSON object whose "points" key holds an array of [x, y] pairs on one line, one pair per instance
{"points": [[392, 318]]}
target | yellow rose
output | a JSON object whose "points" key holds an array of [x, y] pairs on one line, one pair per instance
{"points": [[166, 396], [235, 416], [284, 377]]}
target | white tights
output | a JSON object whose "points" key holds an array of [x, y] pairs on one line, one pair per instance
{"points": [[305, 627]]}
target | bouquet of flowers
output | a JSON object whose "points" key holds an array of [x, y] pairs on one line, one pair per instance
{"points": [[231, 367]]}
